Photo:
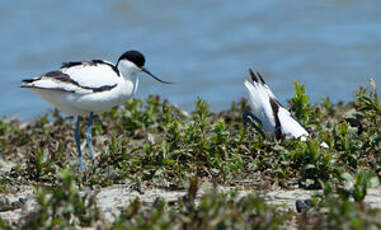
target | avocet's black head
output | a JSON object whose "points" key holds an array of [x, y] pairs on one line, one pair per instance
{"points": [[135, 57], [132, 62]]}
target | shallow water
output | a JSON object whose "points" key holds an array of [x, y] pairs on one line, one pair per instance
{"points": [[206, 47]]}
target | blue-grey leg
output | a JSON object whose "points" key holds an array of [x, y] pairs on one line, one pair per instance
{"points": [[249, 117], [78, 141], [89, 138]]}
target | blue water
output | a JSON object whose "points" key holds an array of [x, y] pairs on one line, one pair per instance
{"points": [[206, 47]]}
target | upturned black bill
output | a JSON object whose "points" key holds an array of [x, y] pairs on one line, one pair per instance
{"points": [[154, 77]]}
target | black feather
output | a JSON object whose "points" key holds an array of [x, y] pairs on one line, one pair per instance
{"points": [[29, 80], [63, 77], [275, 108], [256, 76], [134, 56], [252, 75], [94, 62], [70, 64], [260, 77]]}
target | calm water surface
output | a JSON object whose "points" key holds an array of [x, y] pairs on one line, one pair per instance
{"points": [[206, 47]]}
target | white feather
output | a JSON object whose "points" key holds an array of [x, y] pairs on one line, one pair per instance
{"points": [[48, 83], [93, 76], [80, 99], [261, 108], [259, 98], [289, 125]]}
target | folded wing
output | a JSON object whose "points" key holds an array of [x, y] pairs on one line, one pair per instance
{"points": [[77, 77]]}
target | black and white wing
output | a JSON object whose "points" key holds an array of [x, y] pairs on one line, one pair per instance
{"points": [[77, 77], [288, 125], [265, 106], [259, 98]]}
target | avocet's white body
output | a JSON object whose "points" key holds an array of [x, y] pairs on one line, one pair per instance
{"points": [[79, 88], [274, 118], [88, 87]]}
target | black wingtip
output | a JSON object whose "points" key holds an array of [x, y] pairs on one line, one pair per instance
{"points": [[28, 80], [256, 76], [252, 75], [70, 64], [260, 77]]}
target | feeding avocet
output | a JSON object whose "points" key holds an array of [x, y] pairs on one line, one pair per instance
{"points": [[268, 111], [88, 87]]}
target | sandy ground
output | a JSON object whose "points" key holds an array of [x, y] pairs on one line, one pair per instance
{"points": [[112, 199]]}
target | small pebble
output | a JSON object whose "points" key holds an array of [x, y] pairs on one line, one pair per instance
{"points": [[22, 200], [150, 139], [303, 205], [139, 187]]}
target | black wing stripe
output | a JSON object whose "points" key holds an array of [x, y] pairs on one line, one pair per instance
{"points": [[63, 77], [58, 75], [30, 80], [70, 64], [275, 108], [103, 88], [94, 62]]}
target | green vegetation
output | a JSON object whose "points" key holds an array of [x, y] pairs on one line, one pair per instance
{"points": [[213, 210], [154, 144]]}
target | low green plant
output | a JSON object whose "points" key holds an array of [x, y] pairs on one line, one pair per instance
{"points": [[299, 103], [213, 210], [343, 205], [65, 207], [157, 145]]}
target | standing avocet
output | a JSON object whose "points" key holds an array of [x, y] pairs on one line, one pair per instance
{"points": [[268, 112], [88, 87]]}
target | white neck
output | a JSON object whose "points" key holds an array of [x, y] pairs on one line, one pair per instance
{"points": [[128, 71]]}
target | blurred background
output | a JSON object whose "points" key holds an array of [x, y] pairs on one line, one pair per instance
{"points": [[206, 47]]}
